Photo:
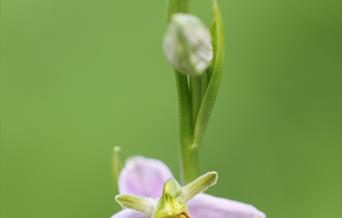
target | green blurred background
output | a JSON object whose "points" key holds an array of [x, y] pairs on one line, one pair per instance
{"points": [[81, 76]]}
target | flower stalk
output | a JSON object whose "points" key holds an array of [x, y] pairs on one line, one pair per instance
{"points": [[197, 57], [188, 156], [178, 6]]}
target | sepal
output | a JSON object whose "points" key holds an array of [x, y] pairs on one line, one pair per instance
{"points": [[199, 185], [141, 204]]}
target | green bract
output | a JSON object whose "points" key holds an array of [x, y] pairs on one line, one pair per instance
{"points": [[215, 75]]}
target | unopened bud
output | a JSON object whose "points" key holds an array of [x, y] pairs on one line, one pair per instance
{"points": [[187, 44]]}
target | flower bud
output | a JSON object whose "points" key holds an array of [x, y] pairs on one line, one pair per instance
{"points": [[187, 44]]}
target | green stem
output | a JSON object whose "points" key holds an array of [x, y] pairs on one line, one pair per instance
{"points": [[190, 166], [188, 155], [178, 6]]}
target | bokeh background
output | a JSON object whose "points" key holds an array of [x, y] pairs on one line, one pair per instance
{"points": [[78, 77]]}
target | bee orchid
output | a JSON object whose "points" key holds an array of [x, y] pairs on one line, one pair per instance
{"points": [[148, 189]]}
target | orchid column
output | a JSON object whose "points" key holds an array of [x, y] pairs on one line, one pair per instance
{"points": [[196, 54]]}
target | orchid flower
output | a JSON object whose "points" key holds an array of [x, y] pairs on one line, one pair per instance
{"points": [[147, 189]]}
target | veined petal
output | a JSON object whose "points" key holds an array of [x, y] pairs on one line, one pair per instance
{"points": [[143, 177], [204, 206], [127, 213]]}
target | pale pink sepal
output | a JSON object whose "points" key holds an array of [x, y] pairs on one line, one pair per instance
{"points": [[143, 177], [128, 213], [204, 206]]}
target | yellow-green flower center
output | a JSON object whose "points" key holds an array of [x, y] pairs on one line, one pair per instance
{"points": [[172, 204], [169, 205]]}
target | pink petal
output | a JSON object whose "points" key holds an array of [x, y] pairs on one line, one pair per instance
{"points": [[204, 206], [143, 177], [127, 213]]}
